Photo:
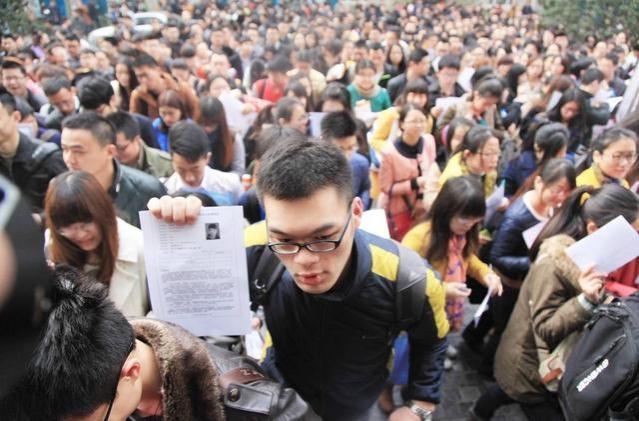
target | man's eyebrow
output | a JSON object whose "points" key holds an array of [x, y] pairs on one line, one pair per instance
{"points": [[316, 231]]}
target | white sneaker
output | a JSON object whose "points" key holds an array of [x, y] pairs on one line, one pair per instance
{"points": [[451, 352], [448, 364]]}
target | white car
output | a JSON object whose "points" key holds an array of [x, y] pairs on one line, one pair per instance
{"points": [[141, 21]]}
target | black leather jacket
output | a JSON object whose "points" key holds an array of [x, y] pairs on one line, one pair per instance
{"points": [[33, 166], [131, 191]]}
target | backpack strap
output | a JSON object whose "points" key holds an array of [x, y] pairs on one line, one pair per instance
{"points": [[411, 286], [267, 273]]}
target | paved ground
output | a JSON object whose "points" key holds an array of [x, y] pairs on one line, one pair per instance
{"points": [[462, 386]]}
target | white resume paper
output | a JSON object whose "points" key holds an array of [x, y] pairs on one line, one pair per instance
{"points": [[197, 273], [608, 248]]}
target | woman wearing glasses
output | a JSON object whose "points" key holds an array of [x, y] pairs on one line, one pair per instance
{"points": [[83, 231], [613, 155], [477, 155], [407, 164]]}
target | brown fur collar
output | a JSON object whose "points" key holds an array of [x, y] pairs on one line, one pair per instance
{"points": [[190, 388], [555, 248]]}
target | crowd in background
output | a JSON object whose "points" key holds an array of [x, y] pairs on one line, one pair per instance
{"points": [[437, 107]]}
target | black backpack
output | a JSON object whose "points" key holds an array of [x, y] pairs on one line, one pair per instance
{"points": [[601, 376]]}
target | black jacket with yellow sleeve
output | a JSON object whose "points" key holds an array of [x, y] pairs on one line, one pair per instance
{"points": [[334, 348]]}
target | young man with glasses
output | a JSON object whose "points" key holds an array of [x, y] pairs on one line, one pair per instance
{"points": [[92, 365], [331, 314], [133, 152]]}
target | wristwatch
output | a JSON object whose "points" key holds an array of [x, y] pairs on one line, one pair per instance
{"points": [[422, 413]]}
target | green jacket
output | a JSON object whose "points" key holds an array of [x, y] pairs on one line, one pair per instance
{"points": [[154, 162]]}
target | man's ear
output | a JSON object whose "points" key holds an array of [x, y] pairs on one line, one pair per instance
{"points": [[112, 150], [131, 369], [208, 156], [16, 116], [358, 211]]}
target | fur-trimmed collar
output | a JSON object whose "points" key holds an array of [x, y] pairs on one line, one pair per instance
{"points": [[190, 387], [555, 248]]}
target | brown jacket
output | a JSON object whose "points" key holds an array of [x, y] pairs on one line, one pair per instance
{"points": [[144, 102], [546, 312]]}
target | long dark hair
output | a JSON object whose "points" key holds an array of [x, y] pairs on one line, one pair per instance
{"points": [[460, 196], [550, 171], [125, 92], [212, 113], [570, 95], [75, 197], [603, 205]]}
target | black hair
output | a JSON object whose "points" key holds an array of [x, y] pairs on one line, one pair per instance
{"points": [[512, 78], [403, 112], [285, 107], [279, 64], [338, 125], [610, 136], [53, 85], [125, 123], [550, 139], [570, 95], [188, 140], [454, 124], [273, 135], [180, 64], [7, 100], [475, 139], [11, 63], [556, 169], [602, 206], [460, 196], [612, 57], [144, 59], [305, 56], [489, 87], [591, 75], [94, 91], [481, 74], [335, 91], [99, 126], [449, 61], [23, 107], [77, 363], [364, 64], [205, 198], [417, 55], [294, 170]]}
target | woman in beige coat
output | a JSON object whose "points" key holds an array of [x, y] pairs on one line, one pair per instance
{"points": [[555, 301], [84, 232]]}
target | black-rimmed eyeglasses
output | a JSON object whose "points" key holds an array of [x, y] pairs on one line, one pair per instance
{"points": [[317, 246]]}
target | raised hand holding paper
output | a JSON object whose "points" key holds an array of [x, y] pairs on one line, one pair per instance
{"points": [[197, 273], [608, 248]]}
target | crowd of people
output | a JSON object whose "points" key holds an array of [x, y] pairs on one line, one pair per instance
{"points": [[307, 115]]}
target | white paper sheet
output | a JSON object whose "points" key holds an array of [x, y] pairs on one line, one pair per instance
{"points": [[315, 122], [613, 101], [494, 201], [197, 273], [233, 107], [531, 234], [446, 102], [374, 221], [608, 248], [554, 100], [482, 307]]}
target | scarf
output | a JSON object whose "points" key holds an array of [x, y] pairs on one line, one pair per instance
{"points": [[368, 93], [455, 272]]}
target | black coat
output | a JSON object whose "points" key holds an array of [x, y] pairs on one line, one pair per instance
{"points": [[509, 252], [33, 166]]}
